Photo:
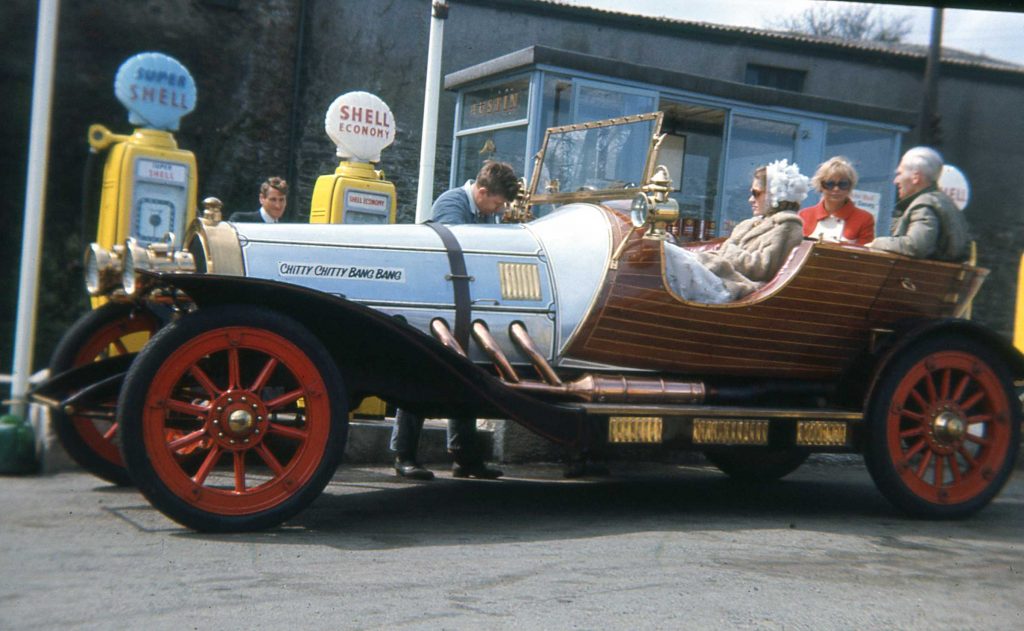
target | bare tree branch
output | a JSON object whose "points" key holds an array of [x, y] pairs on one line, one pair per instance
{"points": [[855, 22]]}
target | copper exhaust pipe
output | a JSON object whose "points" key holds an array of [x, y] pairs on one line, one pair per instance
{"points": [[619, 389], [517, 331], [444, 335], [487, 342]]}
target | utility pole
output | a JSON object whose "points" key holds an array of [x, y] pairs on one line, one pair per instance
{"points": [[928, 124]]}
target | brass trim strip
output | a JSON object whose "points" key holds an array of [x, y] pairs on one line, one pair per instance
{"points": [[708, 431], [634, 429], [822, 433]]}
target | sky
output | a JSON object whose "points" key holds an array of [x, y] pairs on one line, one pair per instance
{"points": [[998, 34]]}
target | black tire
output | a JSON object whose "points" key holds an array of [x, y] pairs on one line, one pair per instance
{"points": [[261, 341], [945, 450], [84, 439], [757, 465]]}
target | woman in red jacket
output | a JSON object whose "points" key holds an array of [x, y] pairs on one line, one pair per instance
{"points": [[835, 218]]}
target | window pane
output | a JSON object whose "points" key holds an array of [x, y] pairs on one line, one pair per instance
{"points": [[692, 150], [773, 77], [753, 142], [871, 152], [597, 103], [556, 110], [503, 145]]}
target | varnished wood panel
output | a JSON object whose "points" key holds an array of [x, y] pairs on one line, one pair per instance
{"points": [[809, 322]]}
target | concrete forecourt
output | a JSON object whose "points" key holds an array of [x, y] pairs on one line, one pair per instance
{"points": [[650, 546]]}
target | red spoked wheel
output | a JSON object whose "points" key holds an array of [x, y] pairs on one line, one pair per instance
{"points": [[90, 435], [256, 400], [944, 429]]}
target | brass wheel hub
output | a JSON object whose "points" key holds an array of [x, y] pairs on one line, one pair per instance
{"points": [[241, 421], [948, 427]]}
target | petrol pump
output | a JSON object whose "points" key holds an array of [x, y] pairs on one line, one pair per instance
{"points": [[1018, 323], [148, 194], [360, 124]]}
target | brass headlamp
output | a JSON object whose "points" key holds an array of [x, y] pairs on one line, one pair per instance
{"points": [[103, 269], [157, 257], [653, 207]]}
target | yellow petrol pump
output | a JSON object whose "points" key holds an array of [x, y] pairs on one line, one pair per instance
{"points": [[360, 124], [149, 184], [1018, 323], [149, 189], [354, 193]]}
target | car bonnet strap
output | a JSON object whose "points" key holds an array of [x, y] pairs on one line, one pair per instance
{"points": [[460, 282]]}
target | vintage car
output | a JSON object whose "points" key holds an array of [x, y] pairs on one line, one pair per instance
{"points": [[234, 415]]}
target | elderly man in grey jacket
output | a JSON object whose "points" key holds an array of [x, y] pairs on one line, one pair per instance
{"points": [[926, 224]]}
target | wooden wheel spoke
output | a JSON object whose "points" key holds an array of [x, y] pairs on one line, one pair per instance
{"points": [[204, 380], [914, 416], [239, 457], [971, 462], [284, 399], [914, 394], [190, 409], [947, 377], [208, 464], [187, 440], [954, 467], [939, 473], [908, 433], [264, 376], [119, 345], [958, 393], [910, 453], [929, 382], [233, 368], [288, 432], [923, 466], [973, 400], [984, 442], [111, 432], [269, 458], [979, 418]]}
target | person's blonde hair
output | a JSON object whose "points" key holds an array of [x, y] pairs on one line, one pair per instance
{"points": [[837, 165]]}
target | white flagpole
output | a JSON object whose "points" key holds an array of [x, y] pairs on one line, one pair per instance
{"points": [[35, 202], [428, 138]]}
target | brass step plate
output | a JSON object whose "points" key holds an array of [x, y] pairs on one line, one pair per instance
{"points": [[709, 431], [635, 429]]}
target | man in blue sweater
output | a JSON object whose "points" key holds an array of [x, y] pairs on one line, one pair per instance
{"points": [[477, 201]]}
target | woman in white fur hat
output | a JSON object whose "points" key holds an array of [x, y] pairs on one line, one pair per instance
{"points": [[755, 250]]}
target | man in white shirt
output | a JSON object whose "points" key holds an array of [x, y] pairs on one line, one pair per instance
{"points": [[273, 200]]}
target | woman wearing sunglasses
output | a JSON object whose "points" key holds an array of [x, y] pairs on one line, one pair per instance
{"points": [[755, 250], [835, 218]]}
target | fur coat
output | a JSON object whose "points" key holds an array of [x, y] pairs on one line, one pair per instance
{"points": [[754, 251]]}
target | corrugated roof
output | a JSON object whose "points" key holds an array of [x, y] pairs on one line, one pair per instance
{"points": [[913, 51]]}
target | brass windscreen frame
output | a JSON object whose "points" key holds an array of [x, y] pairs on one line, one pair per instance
{"points": [[534, 198]]}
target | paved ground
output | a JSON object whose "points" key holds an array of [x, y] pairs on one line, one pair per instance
{"points": [[656, 548]]}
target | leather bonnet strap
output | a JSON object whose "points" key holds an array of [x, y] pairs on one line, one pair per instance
{"points": [[460, 282]]}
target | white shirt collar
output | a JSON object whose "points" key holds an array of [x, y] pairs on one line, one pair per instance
{"points": [[468, 187], [266, 218]]}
